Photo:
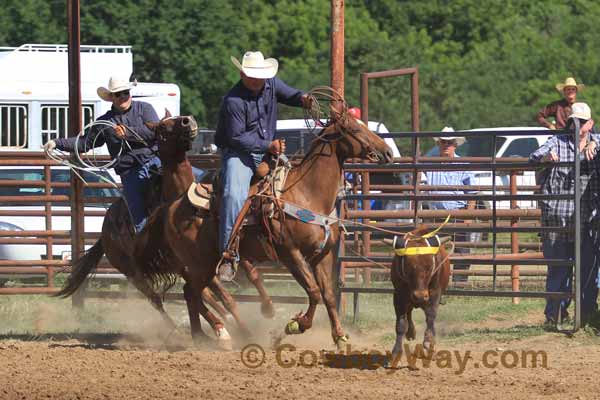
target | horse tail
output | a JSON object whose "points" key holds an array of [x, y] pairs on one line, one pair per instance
{"points": [[81, 269]]}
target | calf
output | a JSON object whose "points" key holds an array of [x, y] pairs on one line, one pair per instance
{"points": [[420, 273]]}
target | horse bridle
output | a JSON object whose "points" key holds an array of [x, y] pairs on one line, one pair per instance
{"points": [[180, 140], [342, 132], [341, 118]]}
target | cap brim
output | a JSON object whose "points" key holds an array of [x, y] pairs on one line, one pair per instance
{"points": [[579, 116]]}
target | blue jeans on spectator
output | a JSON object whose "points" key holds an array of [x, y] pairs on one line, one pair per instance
{"points": [[236, 173], [135, 182], [589, 272], [559, 278]]}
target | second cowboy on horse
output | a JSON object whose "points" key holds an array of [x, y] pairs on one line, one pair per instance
{"points": [[245, 134]]}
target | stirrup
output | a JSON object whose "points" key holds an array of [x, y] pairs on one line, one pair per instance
{"points": [[230, 258], [226, 271]]}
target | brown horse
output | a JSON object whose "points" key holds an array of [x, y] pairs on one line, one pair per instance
{"points": [[420, 274], [174, 136], [306, 249]]}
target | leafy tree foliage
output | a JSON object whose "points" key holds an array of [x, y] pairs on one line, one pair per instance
{"points": [[481, 63]]}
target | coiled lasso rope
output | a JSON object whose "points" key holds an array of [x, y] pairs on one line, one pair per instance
{"points": [[89, 162]]}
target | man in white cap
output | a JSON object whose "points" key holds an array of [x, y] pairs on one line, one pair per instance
{"points": [[447, 147], [135, 160], [245, 133], [560, 109], [559, 180]]}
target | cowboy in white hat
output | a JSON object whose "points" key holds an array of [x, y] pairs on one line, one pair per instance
{"points": [[450, 140], [447, 148], [560, 109], [245, 133], [135, 160]]}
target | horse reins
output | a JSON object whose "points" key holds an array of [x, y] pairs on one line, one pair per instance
{"points": [[314, 114]]}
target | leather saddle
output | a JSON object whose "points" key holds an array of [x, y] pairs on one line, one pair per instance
{"points": [[268, 179], [266, 185]]}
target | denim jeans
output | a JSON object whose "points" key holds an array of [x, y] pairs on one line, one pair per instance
{"points": [[236, 173], [559, 278], [198, 173], [589, 272], [135, 182]]}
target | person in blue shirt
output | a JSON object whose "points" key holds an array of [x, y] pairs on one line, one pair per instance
{"points": [[245, 133], [134, 159], [447, 146], [560, 180]]}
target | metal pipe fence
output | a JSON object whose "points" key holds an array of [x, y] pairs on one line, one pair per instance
{"points": [[361, 249], [355, 247]]}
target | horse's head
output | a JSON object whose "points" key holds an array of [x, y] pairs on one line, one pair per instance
{"points": [[174, 134], [355, 140]]}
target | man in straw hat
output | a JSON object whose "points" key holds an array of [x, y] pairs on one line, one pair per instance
{"points": [[245, 133], [447, 147], [134, 160], [559, 180], [560, 109]]}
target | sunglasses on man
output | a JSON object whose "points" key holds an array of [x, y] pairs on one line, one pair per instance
{"points": [[123, 93], [448, 142]]}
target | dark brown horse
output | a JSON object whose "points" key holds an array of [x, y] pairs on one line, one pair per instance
{"points": [[306, 249], [420, 274], [174, 136]]}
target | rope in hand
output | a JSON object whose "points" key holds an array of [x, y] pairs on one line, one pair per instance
{"points": [[316, 114], [91, 164]]}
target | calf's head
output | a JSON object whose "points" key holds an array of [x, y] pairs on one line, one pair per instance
{"points": [[416, 263]]}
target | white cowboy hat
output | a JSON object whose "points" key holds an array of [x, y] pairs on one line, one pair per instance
{"points": [[459, 139], [254, 65], [581, 111], [115, 84], [569, 82]]}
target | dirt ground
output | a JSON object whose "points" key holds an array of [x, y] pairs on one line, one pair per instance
{"points": [[113, 366]]}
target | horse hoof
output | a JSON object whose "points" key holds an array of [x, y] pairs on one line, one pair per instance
{"points": [[224, 339], [428, 346], [267, 310], [293, 328], [392, 361], [341, 342]]}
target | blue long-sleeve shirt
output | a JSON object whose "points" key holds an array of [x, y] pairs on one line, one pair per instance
{"points": [[247, 122], [134, 118]]}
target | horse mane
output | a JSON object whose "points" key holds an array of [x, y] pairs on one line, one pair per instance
{"points": [[316, 142], [341, 122]]}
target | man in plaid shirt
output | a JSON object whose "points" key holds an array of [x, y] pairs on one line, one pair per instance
{"points": [[560, 180]]}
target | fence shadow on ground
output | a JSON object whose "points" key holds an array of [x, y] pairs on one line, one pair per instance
{"points": [[91, 341]]}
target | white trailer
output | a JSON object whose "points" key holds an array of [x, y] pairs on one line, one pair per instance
{"points": [[34, 91]]}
